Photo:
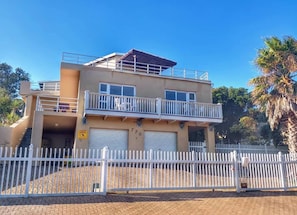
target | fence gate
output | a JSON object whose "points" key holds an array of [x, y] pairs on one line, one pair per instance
{"points": [[197, 146], [50, 172]]}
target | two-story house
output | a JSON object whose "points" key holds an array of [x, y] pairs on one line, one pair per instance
{"points": [[134, 101]]}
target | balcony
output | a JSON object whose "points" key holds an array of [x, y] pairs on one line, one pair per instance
{"points": [[134, 66], [56, 104], [45, 87], [153, 108]]}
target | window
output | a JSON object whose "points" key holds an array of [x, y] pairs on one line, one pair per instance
{"points": [[177, 102], [192, 97], [170, 95], [115, 90], [120, 90], [103, 88], [128, 91], [180, 96], [113, 97]]}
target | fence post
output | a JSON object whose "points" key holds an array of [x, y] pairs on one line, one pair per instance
{"points": [[235, 171], [194, 168], [284, 182], [104, 164], [159, 106], [204, 147], [265, 148], [151, 169], [29, 169]]}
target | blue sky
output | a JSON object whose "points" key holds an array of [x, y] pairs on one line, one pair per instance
{"points": [[221, 37]]}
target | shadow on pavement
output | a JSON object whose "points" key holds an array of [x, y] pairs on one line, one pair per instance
{"points": [[140, 197]]}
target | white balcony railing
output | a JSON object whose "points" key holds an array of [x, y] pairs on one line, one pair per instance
{"points": [[134, 66], [96, 101], [156, 106], [53, 86], [191, 109], [57, 104]]}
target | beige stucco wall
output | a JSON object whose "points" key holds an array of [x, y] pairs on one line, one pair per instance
{"points": [[146, 86], [18, 130], [69, 83], [210, 139], [25, 88], [136, 133], [5, 135], [30, 106], [30, 109], [12, 135]]}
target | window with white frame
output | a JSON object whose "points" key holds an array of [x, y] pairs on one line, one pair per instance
{"points": [[113, 89], [178, 102], [180, 96], [116, 97]]}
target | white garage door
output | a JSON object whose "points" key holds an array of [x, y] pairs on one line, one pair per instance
{"points": [[163, 141], [114, 139]]}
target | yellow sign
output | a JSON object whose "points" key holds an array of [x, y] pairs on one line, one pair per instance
{"points": [[82, 134]]}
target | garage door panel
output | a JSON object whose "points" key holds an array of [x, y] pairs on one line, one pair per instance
{"points": [[114, 139], [162, 141]]}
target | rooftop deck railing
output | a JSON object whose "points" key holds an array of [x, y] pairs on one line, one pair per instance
{"points": [[77, 58], [134, 66], [45, 86]]}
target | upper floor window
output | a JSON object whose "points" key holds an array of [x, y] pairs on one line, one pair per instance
{"points": [[113, 89], [180, 96]]}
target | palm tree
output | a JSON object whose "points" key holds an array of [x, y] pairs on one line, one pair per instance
{"points": [[275, 89]]}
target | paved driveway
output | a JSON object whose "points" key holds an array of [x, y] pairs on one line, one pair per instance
{"points": [[186, 202]]}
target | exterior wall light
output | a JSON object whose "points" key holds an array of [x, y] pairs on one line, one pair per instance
{"points": [[84, 120], [139, 122]]}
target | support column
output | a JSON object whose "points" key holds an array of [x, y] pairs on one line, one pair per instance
{"points": [[183, 138], [37, 129], [210, 138]]}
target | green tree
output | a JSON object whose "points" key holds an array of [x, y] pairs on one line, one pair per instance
{"points": [[267, 134], [244, 129], [5, 105], [235, 103], [10, 80], [275, 89], [10, 109]]}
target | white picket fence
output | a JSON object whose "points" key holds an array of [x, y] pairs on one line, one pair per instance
{"points": [[76, 172], [248, 148]]}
